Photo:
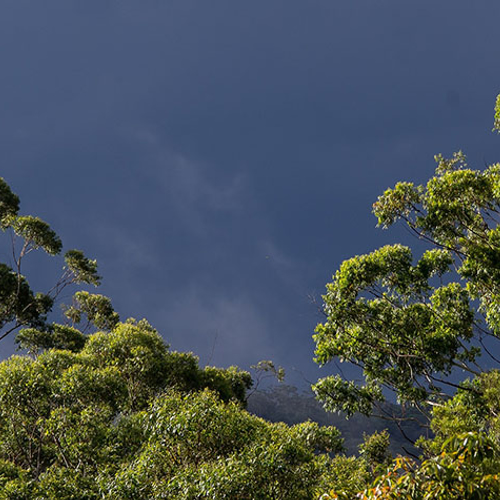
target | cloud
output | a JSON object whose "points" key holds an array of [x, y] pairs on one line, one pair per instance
{"points": [[192, 187]]}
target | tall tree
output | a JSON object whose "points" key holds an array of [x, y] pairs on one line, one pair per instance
{"points": [[409, 323], [20, 306]]}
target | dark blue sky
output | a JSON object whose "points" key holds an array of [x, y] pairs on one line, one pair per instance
{"points": [[220, 158]]}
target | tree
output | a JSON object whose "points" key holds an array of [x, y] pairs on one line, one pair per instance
{"points": [[409, 323], [19, 305]]}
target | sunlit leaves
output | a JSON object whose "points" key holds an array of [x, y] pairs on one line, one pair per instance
{"points": [[84, 270], [230, 383], [386, 315], [19, 305], [459, 210], [466, 467], [9, 204], [340, 395], [37, 234], [95, 307], [320, 438], [375, 450], [51, 336], [406, 324], [496, 123], [123, 417], [267, 367], [200, 447], [397, 203]]}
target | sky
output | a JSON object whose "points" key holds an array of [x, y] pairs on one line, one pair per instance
{"points": [[220, 158]]}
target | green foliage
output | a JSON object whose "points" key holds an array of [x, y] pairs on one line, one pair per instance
{"points": [[19, 305], [97, 308], [200, 447], [461, 461], [474, 408], [53, 336], [384, 315], [82, 269], [65, 484], [117, 415], [345, 396], [36, 234], [267, 367], [230, 383], [138, 352], [457, 211], [466, 468], [397, 203], [409, 324], [375, 449], [9, 204], [496, 123], [121, 416], [343, 477]]}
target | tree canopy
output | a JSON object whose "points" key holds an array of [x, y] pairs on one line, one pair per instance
{"points": [[410, 322], [124, 417]]}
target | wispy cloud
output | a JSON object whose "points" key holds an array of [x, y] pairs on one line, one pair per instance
{"points": [[188, 185]]}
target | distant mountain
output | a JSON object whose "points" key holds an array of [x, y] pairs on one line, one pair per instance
{"points": [[285, 403]]}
